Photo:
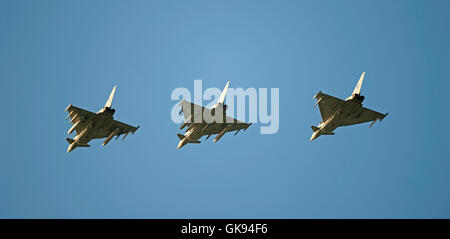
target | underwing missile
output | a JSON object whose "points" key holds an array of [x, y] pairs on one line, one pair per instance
{"points": [[318, 101], [67, 108], [72, 115], [206, 127], [125, 135], [373, 122], [73, 118], [224, 130], [110, 136], [73, 127], [315, 96]]}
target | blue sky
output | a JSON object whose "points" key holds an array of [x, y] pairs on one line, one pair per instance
{"points": [[56, 53]]}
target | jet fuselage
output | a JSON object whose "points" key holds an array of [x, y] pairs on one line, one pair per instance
{"points": [[350, 108], [101, 122], [196, 130]]}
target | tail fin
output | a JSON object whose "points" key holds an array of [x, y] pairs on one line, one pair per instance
{"points": [[357, 89], [69, 140], [110, 98], [224, 93]]}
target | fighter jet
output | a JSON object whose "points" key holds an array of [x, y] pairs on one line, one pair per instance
{"points": [[89, 125], [202, 121], [336, 112]]}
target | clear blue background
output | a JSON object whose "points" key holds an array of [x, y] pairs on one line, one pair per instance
{"points": [[56, 53]]}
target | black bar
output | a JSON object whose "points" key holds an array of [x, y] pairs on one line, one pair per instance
{"points": [[223, 228]]}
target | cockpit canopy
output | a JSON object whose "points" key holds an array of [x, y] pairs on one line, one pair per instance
{"points": [[106, 110], [357, 97]]}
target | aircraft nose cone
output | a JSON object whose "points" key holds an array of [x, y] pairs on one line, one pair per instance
{"points": [[70, 148], [314, 136], [181, 144]]}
